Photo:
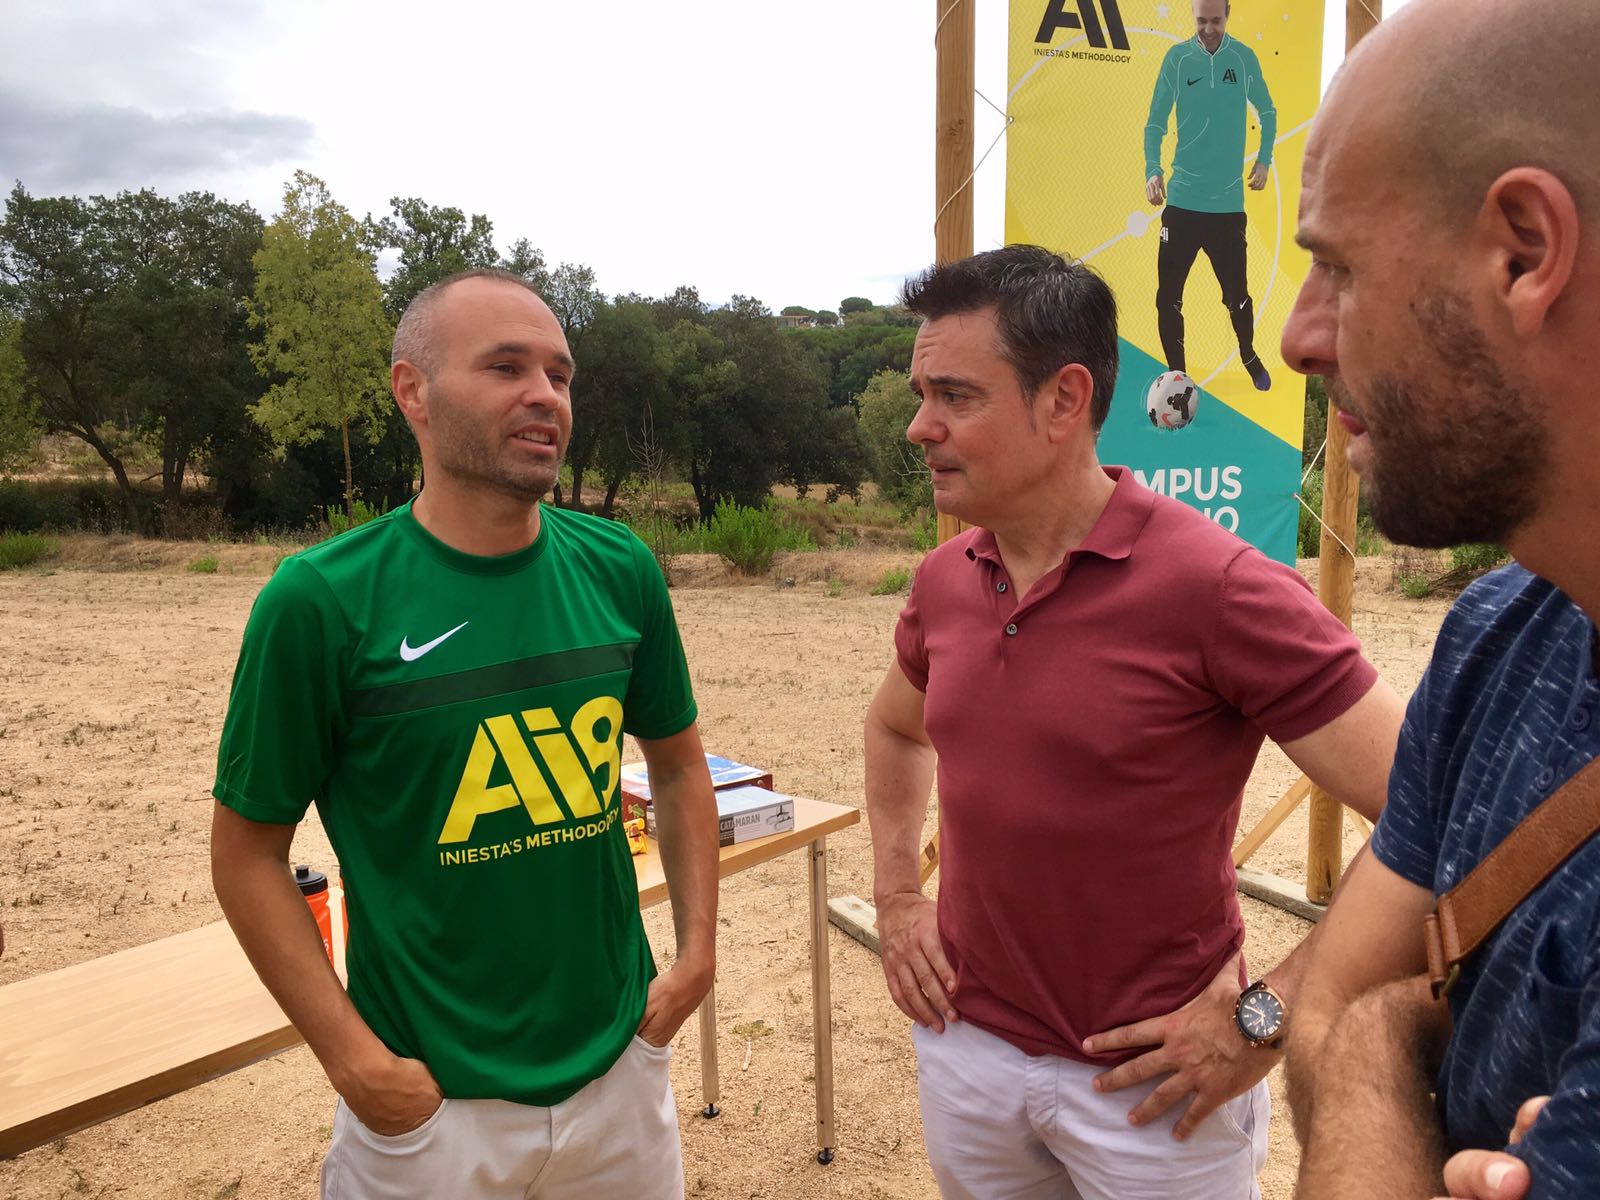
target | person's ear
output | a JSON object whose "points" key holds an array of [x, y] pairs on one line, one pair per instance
{"points": [[409, 386], [1070, 392], [1531, 225]]}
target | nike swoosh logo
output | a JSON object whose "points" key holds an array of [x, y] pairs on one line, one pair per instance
{"points": [[411, 653], [1192, 82]]}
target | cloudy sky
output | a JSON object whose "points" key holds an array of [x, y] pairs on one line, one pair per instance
{"points": [[777, 150]]}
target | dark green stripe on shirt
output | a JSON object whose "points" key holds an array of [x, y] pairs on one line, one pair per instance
{"points": [[497, 680]]}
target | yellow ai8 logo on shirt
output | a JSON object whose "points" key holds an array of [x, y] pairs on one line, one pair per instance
{"points": [[502, 741]]}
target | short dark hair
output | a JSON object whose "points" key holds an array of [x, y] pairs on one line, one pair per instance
{"points": [[413, 334], [1050, 313]]}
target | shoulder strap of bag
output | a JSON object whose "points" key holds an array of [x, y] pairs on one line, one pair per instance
{"points": [[1469, 912]]}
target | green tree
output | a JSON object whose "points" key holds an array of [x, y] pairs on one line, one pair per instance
{"points": [[325, 336], [827, 447], [525, 259], [887, 406], [827, 318], [571, 294], [705, 384], [58, 276], [853, 354], [748, 437], [184, 273], [1316, 426], [854, 304], [132, 320], [434, 243], [622, 376], [19, 408], [797, 310], [684, 304]]}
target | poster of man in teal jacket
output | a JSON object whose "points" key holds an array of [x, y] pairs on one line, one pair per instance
{"points": [[1209, 79]]}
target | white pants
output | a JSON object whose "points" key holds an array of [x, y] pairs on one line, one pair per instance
{"points": [[618, 1136], [1003, 1125]]}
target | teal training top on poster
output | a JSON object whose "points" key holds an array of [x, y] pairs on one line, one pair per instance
{"points": [[1210, 91]]}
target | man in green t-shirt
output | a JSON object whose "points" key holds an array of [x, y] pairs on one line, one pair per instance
{"points": [[449, 684], [1209, 79]]}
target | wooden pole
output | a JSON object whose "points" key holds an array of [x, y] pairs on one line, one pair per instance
{"points": [[955, 42], [1337, 581]]}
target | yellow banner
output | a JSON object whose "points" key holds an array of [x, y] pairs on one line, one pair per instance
{"points": [[1137, 146]]}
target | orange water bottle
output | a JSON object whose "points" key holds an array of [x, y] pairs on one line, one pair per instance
{"points": [[314, 887]]}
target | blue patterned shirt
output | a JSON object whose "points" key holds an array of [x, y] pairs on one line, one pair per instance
{"points": [[1509, 709]]}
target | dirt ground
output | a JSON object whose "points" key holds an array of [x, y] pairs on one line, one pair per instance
{"points": [[114, 673]]}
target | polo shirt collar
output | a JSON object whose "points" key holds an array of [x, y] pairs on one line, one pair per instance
{"points": [[1114, 533]]}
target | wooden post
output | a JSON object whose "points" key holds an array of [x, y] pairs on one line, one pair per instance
{"points": [[1337, 581], [955, 42]]}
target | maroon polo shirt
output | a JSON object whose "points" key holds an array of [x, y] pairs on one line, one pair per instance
{"points": [[1094, 739]]}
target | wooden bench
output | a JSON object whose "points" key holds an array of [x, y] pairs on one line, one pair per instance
{"points": [[91, 1041]]}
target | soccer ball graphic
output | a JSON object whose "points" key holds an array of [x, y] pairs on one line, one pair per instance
{"points": [[1172, 400]]}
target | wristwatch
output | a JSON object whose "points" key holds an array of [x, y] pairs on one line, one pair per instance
{"points": [[1261, 1015]]}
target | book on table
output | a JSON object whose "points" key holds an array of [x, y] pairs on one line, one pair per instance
{"points": [[743, 813], [725, 773]]}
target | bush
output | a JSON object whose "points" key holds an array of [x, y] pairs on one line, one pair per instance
{"points": [[892, 582], [205, 566], [360, 513], [748, 538], [1474, 559], [25, 549], [192, 518], [658, 532], [1416, 586], [887, 405], [1308, 544], [1309, 540], [29, 506], [925, 533]]}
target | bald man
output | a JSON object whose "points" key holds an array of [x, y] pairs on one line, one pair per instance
{"points": [[450, 684], [1452, 209], [1209, 79]]}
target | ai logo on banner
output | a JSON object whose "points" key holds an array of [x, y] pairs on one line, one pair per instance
{"points": [[1058, 15]]}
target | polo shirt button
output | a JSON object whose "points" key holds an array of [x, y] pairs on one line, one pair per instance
{"points": [[1001, 586], [1012, 628], [1580, 719], [1546, 778]]}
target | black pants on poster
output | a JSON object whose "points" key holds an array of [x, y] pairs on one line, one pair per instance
{"points": [[1184, 234]]}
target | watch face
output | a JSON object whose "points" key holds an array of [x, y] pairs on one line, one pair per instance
{"points": [[1261, 1015]]}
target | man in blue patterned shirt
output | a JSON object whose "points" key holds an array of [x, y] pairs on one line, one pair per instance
{"points": [[1452, 208]]}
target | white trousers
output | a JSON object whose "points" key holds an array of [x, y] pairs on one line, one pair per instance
{"points": [[1003, 1125], [618, 1136]]}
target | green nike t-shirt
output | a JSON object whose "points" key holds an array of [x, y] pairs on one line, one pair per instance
{"points": [[458, 722], [1210, 92]]}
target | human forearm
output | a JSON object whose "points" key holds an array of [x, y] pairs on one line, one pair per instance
{"points": [[274, 926], [1321, 988], [1267, 114], [1374, 1130], [686, 832], [899, 778], [1155, 126]]}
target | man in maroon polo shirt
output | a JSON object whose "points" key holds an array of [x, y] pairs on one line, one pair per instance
{"points": [[1093, 669]]}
